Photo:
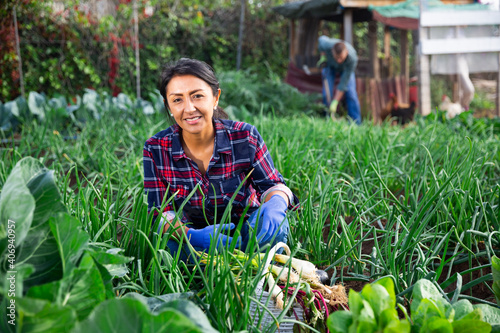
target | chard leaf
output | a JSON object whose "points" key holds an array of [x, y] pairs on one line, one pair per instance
{"points": [[378, 297], [427, 308], [437, 325], [398, 326], [425, 289], [491, 315], [470, 325], [388, 283], [366, 321], [340, 321], [355, 302], [495, 270], [462, 308], [387, 317]]}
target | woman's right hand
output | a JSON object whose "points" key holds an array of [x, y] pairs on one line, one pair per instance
{"points": [[203, 237]]}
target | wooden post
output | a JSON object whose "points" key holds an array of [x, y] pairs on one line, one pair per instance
{"points": [[240, 35], [348, 37], [293, 46], [424, 70], [405, 65], [387, 52], [137, 60], [498, 88], [372, 38], [18, 50]]}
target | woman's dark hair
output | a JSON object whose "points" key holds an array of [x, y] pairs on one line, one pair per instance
{"points": [[198, 68]]}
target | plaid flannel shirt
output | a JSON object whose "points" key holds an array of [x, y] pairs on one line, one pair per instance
{"points": [[238, 150]]}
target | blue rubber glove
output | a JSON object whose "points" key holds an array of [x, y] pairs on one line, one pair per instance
{"points": [[203, 237], [271, 216]]}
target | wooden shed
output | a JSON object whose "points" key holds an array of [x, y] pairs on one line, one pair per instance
{"points": [[373, 85]]}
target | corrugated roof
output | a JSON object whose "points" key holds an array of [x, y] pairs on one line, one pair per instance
{"points": [[310, 9]]}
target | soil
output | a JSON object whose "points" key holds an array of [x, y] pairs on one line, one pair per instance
{"points": [[480, 291]]}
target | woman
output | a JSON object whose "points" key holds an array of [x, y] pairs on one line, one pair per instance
{"points": [[203, 148]]}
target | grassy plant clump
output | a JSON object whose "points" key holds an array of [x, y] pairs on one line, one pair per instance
{"points": [[416, 202]]}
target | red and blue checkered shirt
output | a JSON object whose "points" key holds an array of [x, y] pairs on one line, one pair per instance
{"points": [[238, 150]]}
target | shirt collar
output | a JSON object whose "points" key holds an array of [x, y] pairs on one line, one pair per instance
{"points": [[222, 143]]}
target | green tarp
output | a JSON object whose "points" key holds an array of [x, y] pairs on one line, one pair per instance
{"points": [[405, 15]]}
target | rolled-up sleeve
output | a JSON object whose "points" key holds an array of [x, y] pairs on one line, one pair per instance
{"points": [[264, 175], [154, 187]]}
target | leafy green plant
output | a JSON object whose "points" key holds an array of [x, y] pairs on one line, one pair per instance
{"points": [[372, 310], [431, 312], [495, 268], [51, 271]]}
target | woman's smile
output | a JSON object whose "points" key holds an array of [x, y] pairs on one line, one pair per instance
{"points": [[191, 102]]}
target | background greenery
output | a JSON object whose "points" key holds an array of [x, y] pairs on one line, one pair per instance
{"points": [[69, 51]]}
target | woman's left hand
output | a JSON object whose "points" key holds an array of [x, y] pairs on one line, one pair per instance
{"points": [[271, 215]]}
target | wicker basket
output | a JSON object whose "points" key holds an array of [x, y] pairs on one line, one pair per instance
{"points": [[263, 313], [268, 323]]}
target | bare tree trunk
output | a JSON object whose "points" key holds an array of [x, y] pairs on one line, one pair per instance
{"points": [[240, 35], [18, 50], [137, 60]]}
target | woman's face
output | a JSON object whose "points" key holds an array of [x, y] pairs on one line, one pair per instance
{"points": [[191, 102]]}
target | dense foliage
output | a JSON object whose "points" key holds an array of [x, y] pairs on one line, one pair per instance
{"points": [[70, 49], [411, 203]]}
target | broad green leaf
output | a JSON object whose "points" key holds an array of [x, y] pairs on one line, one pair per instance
{"points": [[114, 262], [462, 308], [386, 317], [191, 311], [378, 297], [339, 321], [70, 239], [85, 288], [12, 108], [366, 321], [107, 279], [58, 102], [36, 104], [155, 303], [495, 270], [37, 246], [437, 325], [496, 291], [17, 207], [470, 325], [424, 289], [7, 116], [130, 315], [355, 302], [82, 289], [491, 315], [495, 265], [91, 101], [122, 102], [37, 315], [399, 326], [388, 283], [427, 308]]}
